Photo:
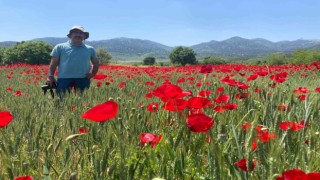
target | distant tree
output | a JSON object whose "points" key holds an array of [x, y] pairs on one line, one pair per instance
{"points": [[31, 52], [304, 56], [2, 51], [213, 60], [183, 55], [277, 59], [149, 61], [104, 56]]}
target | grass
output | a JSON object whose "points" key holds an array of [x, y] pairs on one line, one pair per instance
{"points": [[43, 139]]}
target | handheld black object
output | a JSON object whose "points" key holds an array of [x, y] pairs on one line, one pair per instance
{"points": [[47, 87]]}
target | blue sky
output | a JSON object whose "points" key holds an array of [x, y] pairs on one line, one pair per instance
{"points": [[169, 22]]}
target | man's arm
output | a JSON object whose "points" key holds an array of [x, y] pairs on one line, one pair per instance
{"points": [[95, 68], [52, 68]]}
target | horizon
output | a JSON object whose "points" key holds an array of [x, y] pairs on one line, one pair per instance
{"points": [[168, 45], [171, 23]]}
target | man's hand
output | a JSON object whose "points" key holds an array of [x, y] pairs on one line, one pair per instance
{"points": [[51, 81], [90, 75]]}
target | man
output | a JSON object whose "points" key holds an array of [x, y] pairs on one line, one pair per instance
{"points": [[73, 61]]}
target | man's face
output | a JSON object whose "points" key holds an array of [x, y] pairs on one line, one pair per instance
{"points": [[77, 36]]}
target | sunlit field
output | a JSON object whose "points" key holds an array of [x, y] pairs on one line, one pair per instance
{"points": [[194, 122]]}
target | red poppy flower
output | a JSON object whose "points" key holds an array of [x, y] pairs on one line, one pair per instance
{"points": [[99, 83], [181, 80], [302, 122], [264, 136], [83, 130], [246, 126], [296, 126], [241, 85], [318, 90], [227, 80], [24, 178], [153, 107], [230, 106], [222, 98], [292, 174], [198, 102], [301, 90], [237, 69], [204, 93], [149, 95], [199, 123], [219, 109], [102, 112], [313, 175], [196, 111], [254, 145], [242, 164], [149, 138], [259, 128], [199, 84], [100, 77], [184, 94], [122, 85], [18, 93], [242, 95], [206, 69], [5, 118], [220, 90], [293, 126], [282, 107], [302, 97], [285, 125], [262, 73], [252, 77], [148, 83], [9, 89], [167, 91], [279, 78], [175, 105]]}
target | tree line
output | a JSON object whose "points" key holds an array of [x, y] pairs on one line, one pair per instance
{"points": [[38, 52]]}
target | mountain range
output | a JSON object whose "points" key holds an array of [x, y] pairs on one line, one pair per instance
{"points": [[233, 48]]}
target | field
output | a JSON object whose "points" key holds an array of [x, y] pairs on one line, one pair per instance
{"points": [[194, 122]]}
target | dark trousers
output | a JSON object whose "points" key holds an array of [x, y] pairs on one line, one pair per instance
{"points": [[66, 84]]}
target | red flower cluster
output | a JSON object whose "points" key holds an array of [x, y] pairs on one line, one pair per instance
{"points": [[293, 126], [279, 78], [5, 118], [153, 107], [242, 164], [206, 69], [262, 135], [222, 98], [297, 174], [198, 102], [102, 112], [100, 77], [231, 82], [24, 178], [149, 138], [199, 123], [82, 130]]}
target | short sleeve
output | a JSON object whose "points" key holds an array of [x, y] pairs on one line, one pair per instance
{"points": [[93, 54], [55, 51]]}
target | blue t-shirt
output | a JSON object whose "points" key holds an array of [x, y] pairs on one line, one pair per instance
{"points": [[74, 61]]}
